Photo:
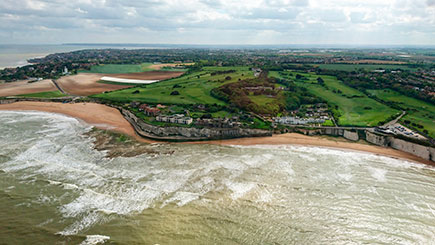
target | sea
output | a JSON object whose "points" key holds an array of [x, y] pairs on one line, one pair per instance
{"points": [[16, 55], [56, 188]]}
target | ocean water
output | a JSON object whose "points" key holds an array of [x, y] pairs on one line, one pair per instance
{"points": [[12, 55], [56, 189], [17, 55]]}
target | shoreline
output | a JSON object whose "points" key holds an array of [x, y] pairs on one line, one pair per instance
{"points": [[108, 118]]}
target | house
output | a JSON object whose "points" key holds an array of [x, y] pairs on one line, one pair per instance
{"points": [[152, 111], [134, 104], [148, 110]]}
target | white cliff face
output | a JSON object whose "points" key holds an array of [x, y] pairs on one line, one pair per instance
{"points": [[415, 149], [425, 152], [351, 135], [376, 139]]}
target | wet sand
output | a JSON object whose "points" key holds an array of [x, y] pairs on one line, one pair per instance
{"points": [[109, 118]]}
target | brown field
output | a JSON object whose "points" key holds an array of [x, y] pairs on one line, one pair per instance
{"points": [[86, 84], [148, 75], [160, 66], [23, 87], [391, 62]]}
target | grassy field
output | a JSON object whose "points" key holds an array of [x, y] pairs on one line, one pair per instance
{"points": [[51, 94], [354, 107], [192, 88], [271, 104], [418, 111], [367, 67], [121, 68]]}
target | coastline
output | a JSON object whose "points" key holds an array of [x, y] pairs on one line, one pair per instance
{"points": [[108, 118]]}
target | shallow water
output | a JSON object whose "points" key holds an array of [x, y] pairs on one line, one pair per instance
{"points": [[54, 187]]}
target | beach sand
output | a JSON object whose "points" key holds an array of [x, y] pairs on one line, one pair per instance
{"points": [[109, 118]]}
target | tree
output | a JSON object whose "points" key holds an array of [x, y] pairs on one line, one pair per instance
{"points": [[320, 81]]}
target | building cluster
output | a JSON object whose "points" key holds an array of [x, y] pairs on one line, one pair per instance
{"points": [[149, 111], [177, 118], [257, 72], [319, 110], [298, 120], [218, 122]]}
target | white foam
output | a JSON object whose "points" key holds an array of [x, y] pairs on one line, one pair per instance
{"points": [[104, 189], [95, 239], [378, 174], [346, 177], [239, 189]]}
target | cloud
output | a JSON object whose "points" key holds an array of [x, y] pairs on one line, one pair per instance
{"points": [[218, 21]]}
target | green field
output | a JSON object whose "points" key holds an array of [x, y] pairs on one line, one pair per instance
{"points": [[270, 104], [51, 94], [122, 68], [193, 88], [418, 111], [367, 67], [354, 108]]}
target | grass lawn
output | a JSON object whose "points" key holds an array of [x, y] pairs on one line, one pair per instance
{"points": [[193, 88], [355, 108], [328, 123], [117, 83], [124, 68], [418, 111], [51, 94], [269, 103]]}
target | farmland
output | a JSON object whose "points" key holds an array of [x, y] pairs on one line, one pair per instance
{"points": [[130, 68], [50, 94], [191, 88], [418, 112], [351, 107]]}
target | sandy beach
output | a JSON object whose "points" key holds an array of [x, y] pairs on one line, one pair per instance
{"points": [[108, 118]]}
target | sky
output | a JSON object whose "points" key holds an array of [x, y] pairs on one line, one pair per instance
{"points": [[350, 22]]}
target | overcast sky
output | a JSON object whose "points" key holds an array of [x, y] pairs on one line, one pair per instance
{"points": [[218, 21]]}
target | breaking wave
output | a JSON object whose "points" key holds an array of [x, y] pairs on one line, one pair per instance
{"points": [[246, 194]]}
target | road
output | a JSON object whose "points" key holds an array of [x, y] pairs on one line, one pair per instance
{"points": [[58, 87], [392, 122]]}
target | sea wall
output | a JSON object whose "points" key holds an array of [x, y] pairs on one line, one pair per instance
{"points": [[425, 152], [419, 149], [348, 134], [189, 133]]}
